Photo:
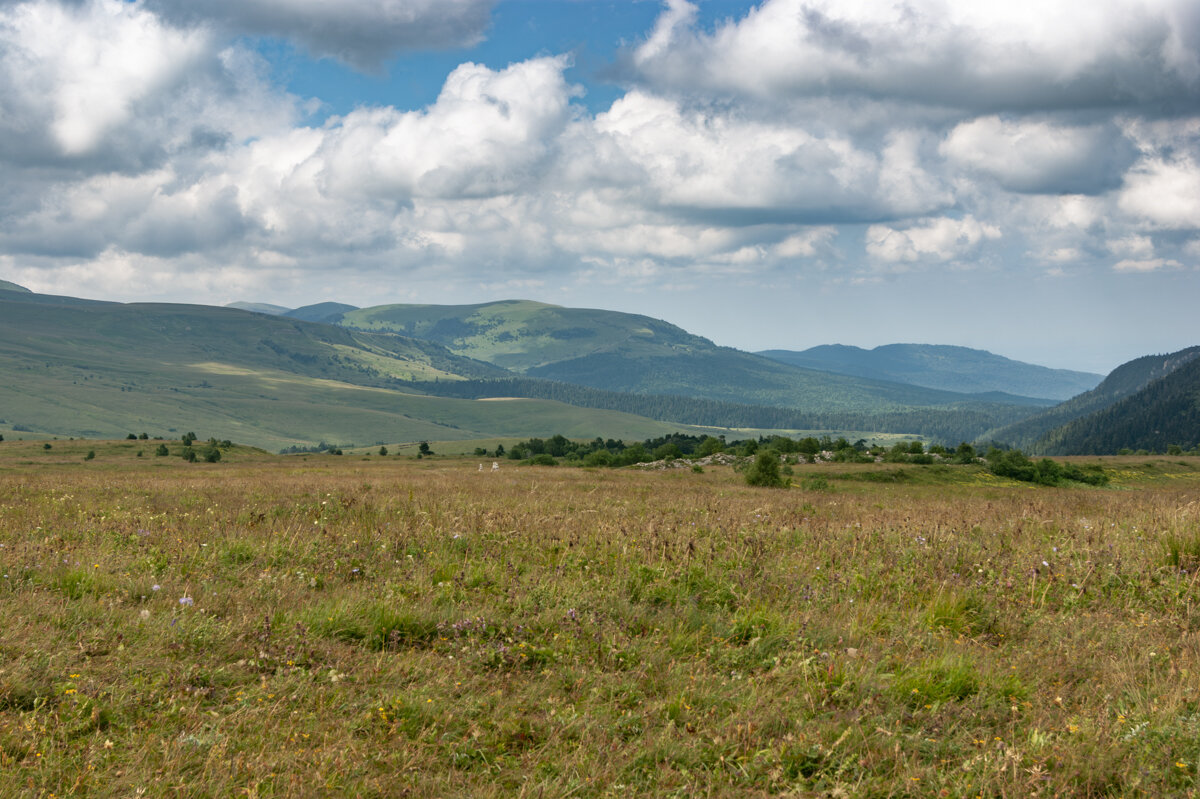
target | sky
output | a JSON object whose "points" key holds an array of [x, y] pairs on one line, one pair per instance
{"points": [[1022, 177]]}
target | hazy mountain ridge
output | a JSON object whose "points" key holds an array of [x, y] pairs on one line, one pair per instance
{"points": [[7, 286], [1123, 382], [945, 367], [259, 307]]}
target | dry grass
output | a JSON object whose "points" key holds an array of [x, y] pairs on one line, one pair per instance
{"points": [[388, 627]]}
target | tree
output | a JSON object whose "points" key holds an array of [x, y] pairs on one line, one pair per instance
{"points": [[188, 438], [383, 450], [423, 450], [161, 450]]}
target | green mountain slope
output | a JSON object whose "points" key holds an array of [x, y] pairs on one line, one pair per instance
{"points": [[6, 286], [1165, 412], [944, 367], [631, 353], [86, 368], [1124, 381]]}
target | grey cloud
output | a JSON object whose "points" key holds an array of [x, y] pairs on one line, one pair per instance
{"points": [[1042, 156], [985, 57], [362, 33]]}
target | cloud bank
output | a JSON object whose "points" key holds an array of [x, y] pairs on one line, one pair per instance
{"points": [[146, 149]]}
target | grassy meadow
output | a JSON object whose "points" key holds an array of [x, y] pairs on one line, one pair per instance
{"points": [[368, 626]]}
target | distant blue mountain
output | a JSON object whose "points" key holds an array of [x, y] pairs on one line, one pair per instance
{"points": [[943, 367], [259, 307]]}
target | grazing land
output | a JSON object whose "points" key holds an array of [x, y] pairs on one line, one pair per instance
{"points": [[315, 625]]}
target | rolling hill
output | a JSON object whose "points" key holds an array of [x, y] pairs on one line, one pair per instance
{"points": [[943, 367], [1034, 434], [98, 369], [637, 354]]}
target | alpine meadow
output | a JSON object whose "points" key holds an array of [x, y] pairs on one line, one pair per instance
{"points": [[599, 399]]}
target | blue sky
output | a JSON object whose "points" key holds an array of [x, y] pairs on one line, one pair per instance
{"points": [[1020, 177]]}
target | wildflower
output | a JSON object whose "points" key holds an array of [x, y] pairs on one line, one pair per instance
{"points": [[155, 587], [186, 601]]}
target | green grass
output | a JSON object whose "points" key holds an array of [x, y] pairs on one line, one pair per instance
{"points": [[381, 626]]}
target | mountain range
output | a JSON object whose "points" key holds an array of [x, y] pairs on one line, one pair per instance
{"points": [[943, 367], [278, 377]]}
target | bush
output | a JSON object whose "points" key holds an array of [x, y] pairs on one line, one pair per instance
{"points": [[543, 459], [765, 471], [161, 450]]}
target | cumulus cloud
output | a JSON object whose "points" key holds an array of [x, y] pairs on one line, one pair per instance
{"points": [[106, 85], [73, 74], [487, 134], [1035, 156], [1022, 54], [719, 166], [941, 239], [362, 33], [1164, 192]]}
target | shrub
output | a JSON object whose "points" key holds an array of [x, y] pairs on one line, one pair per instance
{"points": [[765, 471], [161, 450]]}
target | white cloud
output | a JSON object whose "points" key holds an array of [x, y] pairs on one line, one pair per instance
{"points": [[1164, 193], [74, 74], [722, 166], [1132, 246], [487, 134], [940, 239], [1145, 265]]}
